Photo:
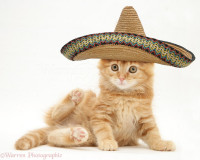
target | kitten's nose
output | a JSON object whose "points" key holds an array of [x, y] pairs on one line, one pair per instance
{"points": [[121, 79]]}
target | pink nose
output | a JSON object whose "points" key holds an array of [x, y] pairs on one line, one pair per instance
{"points": [[121, 79]]}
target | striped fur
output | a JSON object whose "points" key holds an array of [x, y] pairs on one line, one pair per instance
{"points": [[33, 139]]}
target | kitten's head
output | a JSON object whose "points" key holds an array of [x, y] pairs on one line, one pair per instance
{"points": [[124, 75]]}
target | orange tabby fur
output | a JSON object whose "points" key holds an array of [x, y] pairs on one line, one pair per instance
{"points": [[119, 116]]}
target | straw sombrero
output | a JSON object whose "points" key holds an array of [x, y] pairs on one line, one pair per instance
{"points": [[127, 43]]}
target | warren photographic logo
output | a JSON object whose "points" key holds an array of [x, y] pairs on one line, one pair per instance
{"points": [[30, 155]]}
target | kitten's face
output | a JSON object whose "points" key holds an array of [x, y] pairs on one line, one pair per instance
{"points": [[125, 75]]}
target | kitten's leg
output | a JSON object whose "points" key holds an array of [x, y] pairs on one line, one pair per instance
{"points": [[59, 112], [67, 105], [103, 133], [149, 133], [68, 136]]}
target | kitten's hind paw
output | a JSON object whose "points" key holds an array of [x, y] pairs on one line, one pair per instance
{"points": [[77, 95], [108, 145], [79, 135], [163, 146]]}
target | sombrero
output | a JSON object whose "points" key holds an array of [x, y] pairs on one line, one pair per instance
{"points": [[127, 43]]}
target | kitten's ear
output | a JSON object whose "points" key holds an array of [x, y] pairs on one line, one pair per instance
{"points": [[149, 65], [146, 65], [148, 68], [103, 63]]}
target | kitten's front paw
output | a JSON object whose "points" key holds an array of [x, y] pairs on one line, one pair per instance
{"points": [[77, 95], [108, 145], [163, 146]]}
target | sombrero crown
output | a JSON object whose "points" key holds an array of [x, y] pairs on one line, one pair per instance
{"points": [[127, 43]]}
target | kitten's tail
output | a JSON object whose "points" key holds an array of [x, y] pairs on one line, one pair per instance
{"points": [[33, 139]]}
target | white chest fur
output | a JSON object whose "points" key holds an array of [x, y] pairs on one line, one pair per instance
{"points": [[124, 119]]}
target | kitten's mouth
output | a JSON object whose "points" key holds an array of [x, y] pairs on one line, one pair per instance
{"points": [[123, 84]]}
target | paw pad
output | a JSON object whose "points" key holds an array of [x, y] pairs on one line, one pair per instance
{"points": [[79, 135], [77, 95]]}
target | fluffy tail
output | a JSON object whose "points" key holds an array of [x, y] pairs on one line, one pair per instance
{"points": [[33, 139]]}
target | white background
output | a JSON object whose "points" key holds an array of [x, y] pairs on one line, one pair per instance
{"points": [[34, 75]]}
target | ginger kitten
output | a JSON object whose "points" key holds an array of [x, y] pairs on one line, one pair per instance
{"points": [[119, 116]]}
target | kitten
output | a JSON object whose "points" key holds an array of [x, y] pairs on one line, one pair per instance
{"points": [[119, 116]]}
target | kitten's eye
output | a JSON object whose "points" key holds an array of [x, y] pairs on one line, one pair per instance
{"points": [[115, 67], [133, 69]]}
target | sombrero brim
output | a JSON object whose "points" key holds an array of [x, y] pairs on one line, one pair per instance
{"points": [[127, 47]]}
